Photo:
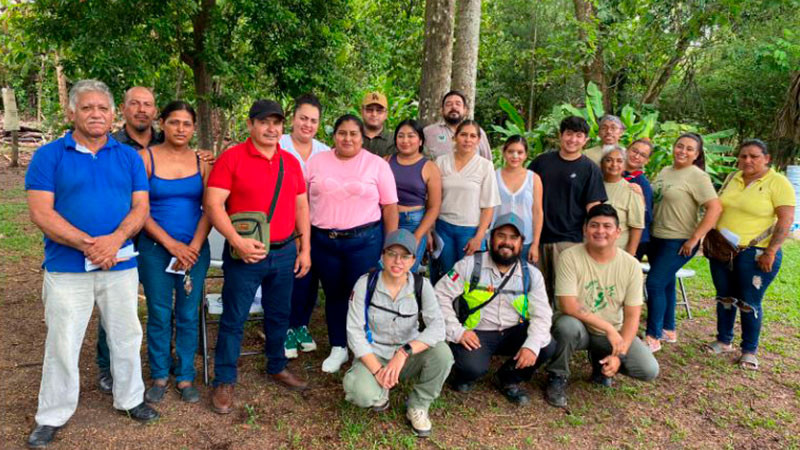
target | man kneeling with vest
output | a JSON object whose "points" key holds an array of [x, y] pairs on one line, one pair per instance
{"points": [[386, 335], [495, 303], [599, 291]]}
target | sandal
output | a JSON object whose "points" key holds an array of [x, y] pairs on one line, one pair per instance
{"points": [[748, 361], [718, 348], [652, 343], [670, 337]]}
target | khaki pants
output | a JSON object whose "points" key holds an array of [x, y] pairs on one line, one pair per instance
{"points": [[68, 302], [431, 366], [548, 261]]}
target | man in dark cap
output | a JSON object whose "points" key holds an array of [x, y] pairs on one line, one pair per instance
{"points": [[256, 198]]}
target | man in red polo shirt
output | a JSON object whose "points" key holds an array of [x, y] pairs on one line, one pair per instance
{"points": [[245, 179]]}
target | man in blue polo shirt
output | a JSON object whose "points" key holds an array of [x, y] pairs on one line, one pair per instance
{"points": [[88, 195]]}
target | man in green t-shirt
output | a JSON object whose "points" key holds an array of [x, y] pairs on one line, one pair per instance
{"points": [[599, 292]]}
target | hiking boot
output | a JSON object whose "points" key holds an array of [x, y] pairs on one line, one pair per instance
{"points": [[41, 436], [513, 392], [601, 380], [556, 391], [105, 382], [143, 413], [288, 380], [304, 339], [334, 361], [420, 423], [290, 346], [222, 399]]}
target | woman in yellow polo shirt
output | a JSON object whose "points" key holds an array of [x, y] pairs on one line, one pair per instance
{"points": [[757, 211], [679, 191]]}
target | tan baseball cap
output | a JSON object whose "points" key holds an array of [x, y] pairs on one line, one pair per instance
{"points": [[375, 98]]}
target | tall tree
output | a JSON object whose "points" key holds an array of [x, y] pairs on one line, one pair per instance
{"points": [[438, 57], [465, 49], [593, 67]]}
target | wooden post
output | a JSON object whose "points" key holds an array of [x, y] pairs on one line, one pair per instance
{"points": [[11, 123]]}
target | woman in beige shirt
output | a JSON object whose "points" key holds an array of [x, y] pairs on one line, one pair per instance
{"points": [[469, 195], [679, 192], [625, 197]]}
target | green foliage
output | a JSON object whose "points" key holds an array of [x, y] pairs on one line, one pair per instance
{"points": [[638, 124]]}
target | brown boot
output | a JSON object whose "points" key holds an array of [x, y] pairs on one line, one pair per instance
{"points": [[288, 380], [222, 399]]}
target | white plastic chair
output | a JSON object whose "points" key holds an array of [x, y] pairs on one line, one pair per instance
{"points": [[682, 274]]}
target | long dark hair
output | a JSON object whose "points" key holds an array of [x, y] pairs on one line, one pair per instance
{"points": [[177, 105], [416, 126], [700, 161]]}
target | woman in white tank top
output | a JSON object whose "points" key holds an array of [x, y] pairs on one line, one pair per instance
{"points": [[521, 193]]}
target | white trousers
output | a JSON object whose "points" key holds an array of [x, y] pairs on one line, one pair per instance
{"points": [[68, 302]]}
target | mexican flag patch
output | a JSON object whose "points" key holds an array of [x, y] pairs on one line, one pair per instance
{"points": [[452, 275]]}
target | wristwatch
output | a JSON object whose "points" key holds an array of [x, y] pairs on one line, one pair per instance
{"points": [[408, 349]]}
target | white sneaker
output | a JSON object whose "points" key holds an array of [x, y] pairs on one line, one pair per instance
{"points": [[334, 361], [420, 422]]}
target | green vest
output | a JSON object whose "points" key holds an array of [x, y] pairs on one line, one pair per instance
{"points": [[477, 295]]}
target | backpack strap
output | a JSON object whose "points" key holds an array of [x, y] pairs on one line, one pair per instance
{"points": [[526, 284], [372, 283], [475, 277], [418, 281]]}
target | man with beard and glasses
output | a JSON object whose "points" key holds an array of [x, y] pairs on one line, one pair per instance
{"points": [[496, 303], [599, 291], [439, 136]]}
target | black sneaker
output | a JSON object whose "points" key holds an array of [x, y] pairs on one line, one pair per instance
{"points": [[41, 436], [143, 413], [105, 382], [189, 394], [556, 390], [155, 393], [462, 387], [601, 380]]}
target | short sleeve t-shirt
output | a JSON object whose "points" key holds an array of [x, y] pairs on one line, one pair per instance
{"points": [[629, 206], [345, 194], [250, 177], [466, 192], [678, 195], [605, 289], [287, 144], [567, 187], [594, 153], [91, 191], [748, 211]]}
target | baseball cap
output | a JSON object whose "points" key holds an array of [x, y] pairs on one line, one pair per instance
{"points": [[375, 98], [403, 238], [265, 108], [510, 219]]}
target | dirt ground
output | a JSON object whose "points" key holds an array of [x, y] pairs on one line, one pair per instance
{"points": [[699, 401]]}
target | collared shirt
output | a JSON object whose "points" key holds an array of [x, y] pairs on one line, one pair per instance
{"points": [[287, 144], [389, 330], [381, 145], [499, 314], [250, 177], [439, 141], [122, 136], [750, 210], [92, 191]]}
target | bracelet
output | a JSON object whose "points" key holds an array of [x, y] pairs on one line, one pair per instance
{"points": [[376, 372]]}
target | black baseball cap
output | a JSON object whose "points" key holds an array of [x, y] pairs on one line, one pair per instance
{"points": [[265, 108]]}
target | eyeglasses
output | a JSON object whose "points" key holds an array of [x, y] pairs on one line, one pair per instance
{"points": [[639, 153], [405, 257]]}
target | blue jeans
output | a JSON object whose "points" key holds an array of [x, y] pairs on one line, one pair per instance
{"points": [[304, 299], [747, 283], [159, 287], [103, 358], [455, 238], [664, 264], [410, 221], [275, 275], [339, 263]]}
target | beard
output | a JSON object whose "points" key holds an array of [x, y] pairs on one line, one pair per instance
{"points": [[453, 119], [141, 128], [503, 260]]}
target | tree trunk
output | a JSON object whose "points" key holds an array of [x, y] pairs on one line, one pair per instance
{"points": [[532, 90], [593, 70], [665, 71], [40, 91], [438, 58], [202, 79], [465, 50], [61, 79]]}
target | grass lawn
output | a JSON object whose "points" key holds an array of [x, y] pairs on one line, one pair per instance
{"points": [[698, 401]]}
